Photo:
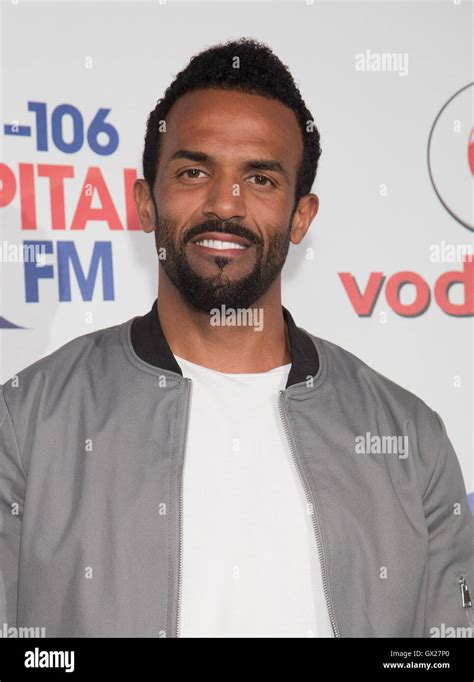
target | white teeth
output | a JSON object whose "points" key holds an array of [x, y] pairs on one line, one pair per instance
{"points": [[217, 244]]}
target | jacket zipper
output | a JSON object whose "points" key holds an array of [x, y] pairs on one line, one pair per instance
{"points": [[463, 585], [465, 597], [189, 384], [314, 515]]}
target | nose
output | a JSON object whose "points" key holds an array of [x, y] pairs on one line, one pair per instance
{"points": [[224, 200]]}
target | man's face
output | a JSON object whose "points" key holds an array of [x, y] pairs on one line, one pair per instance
{"points": [[224, 195]]}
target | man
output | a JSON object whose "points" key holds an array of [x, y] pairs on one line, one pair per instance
{"points": [[200, 470]]}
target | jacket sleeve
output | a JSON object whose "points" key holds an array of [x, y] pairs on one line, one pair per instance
{"points": [[12, 491], [450, 528]]}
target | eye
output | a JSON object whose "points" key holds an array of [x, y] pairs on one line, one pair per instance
{"points": [[194, 172], [263, 181]]}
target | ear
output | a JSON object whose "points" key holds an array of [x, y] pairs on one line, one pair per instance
{"points": [[144, 205], [306, 211]]}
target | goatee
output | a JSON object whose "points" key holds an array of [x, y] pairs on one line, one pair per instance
{"points": [[206, 293]]}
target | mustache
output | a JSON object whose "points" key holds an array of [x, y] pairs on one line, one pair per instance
{"points": [[228, 226]]}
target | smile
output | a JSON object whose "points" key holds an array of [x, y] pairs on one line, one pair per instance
{"points": [[225, 243], [219, 245]]}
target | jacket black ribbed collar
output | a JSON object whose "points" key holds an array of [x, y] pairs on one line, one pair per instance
{"points": [[150, 345]]}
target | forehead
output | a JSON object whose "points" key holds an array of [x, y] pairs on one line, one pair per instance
{"points": [[233, 124]]}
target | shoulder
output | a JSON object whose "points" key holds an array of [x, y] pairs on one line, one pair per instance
{"points": [[357, 382], [80, 357], [361, 396]]}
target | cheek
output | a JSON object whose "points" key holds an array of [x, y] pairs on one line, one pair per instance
{"points": [[277, 216], [170, 213], [275, 207], [180, 207]]}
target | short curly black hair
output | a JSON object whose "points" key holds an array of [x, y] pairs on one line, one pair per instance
{"points": [[259, 72]]}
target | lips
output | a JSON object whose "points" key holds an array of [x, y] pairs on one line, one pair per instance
{"points": [[223, 237], [213, 244]]}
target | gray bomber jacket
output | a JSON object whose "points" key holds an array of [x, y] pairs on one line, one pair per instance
{"points": [[92, 445]]}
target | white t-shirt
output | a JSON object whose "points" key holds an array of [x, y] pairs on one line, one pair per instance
{"points": [[250, 566]]}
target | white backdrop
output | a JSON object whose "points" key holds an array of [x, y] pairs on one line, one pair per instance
{"points": [[379, 211]]}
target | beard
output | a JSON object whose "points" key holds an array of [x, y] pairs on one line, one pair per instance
{"points": [[206, 293]]}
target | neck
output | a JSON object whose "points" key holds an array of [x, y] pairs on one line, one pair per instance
{"points": [[227, 341]]}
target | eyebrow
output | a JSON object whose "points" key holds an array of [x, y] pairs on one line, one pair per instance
{"points": [[251, 164]]}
